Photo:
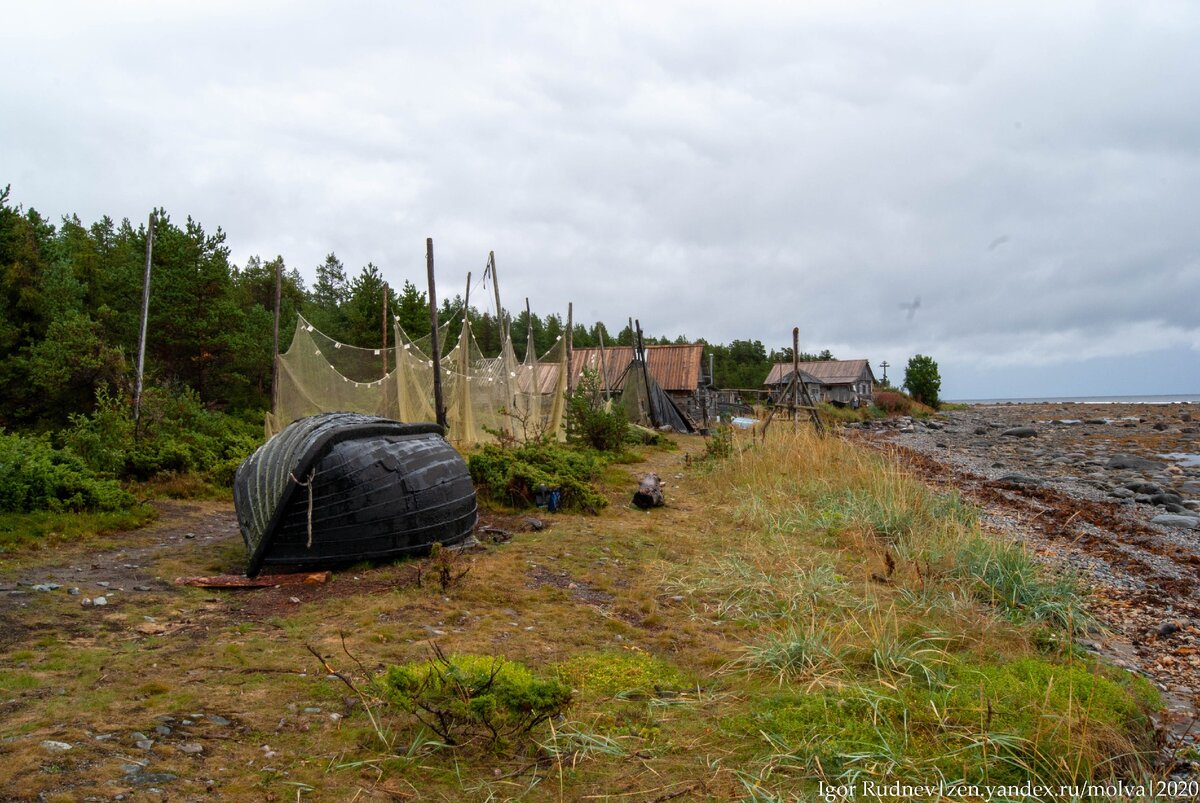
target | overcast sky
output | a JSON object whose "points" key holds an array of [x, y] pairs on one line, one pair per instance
{"points": [[1029, 171]]}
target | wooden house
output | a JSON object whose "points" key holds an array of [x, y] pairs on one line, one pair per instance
{"points": [[840, 382]]}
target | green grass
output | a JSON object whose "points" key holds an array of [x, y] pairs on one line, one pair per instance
{"points": [[800, 611], [25, 530], [611, 673], [981, 723]]}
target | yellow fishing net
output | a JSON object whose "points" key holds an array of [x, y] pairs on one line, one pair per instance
{"points": [[483, 395]]}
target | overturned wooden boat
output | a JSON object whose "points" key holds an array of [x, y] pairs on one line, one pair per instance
{"points": [[344, 487]]}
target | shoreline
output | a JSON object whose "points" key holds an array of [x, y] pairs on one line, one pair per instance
{"points": [[1095, 496]]}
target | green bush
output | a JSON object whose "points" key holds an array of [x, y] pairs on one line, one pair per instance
{"points": [[593, 422], [468, 698], [35, 476], [720, 445], [176, 433], [511, 476]]}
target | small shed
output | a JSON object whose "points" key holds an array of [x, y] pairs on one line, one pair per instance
{"points": [[677, 369]]}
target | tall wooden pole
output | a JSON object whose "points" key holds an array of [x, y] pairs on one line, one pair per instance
{"points": [[570, 341], [499, 310], [141, 358], [383, 329], [438, 405], [275, 335], [529, 330], [641, 351], [603, 362], [796, 378]]}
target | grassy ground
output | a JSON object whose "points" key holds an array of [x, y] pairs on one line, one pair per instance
{"points": [[799, 614]]}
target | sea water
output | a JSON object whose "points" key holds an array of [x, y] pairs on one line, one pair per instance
{"points": [[1176, 398]]}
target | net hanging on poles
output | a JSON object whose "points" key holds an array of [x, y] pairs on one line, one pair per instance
{"points": [[483, 395]]}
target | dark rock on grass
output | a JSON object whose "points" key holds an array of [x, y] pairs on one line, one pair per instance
{"points": [[1136, 463], [980, 430], [1020, 432], [1147, 488], [1165, 499]]}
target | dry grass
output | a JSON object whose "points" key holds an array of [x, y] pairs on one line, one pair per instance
{"points": [[801, 611]]}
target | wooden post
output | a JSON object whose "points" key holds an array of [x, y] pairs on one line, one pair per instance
{"points": [[528, 330], [570, 340], [384, 328], [438, 405], [499, 310], [603, 362], [796, 374], [275, 337], [641, 350], [467, 299], [141, 358]]}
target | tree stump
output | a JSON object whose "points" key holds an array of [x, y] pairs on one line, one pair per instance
{"points": [[649, 493]]}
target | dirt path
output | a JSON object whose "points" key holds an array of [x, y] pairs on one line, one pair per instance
{"points": [[1063, 492]]}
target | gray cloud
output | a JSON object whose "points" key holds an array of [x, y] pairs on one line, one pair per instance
{"points": [[1030, 172]]}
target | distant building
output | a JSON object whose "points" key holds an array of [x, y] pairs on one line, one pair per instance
{"points": [[840, 382], [678, 370]]}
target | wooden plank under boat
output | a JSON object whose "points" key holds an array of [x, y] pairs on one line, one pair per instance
{"points": [[344, 487]]}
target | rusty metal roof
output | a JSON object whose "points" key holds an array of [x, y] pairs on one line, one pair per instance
{"points": [[674, 368], [827, 372]]}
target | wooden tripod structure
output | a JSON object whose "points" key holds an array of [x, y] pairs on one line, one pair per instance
{"points": [[793, 394]]}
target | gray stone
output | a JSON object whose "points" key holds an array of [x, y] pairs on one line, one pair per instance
{"points": [[1020, 432], [100, 601], [1147, 488], [55, 747], [191, 748], [1121, 493], [144, 744], [1165, 498], [1177, 520], [217, 719], [1019, 479], [1138, 463], [150, 778], [46, 587]]}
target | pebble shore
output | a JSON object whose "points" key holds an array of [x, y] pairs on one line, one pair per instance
{"points": [[1107, 492]]}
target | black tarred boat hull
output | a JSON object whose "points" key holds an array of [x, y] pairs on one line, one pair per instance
{"points": [[379, 489]]}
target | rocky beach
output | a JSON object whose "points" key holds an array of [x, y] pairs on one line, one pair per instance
{"points": [[1109, 493]]}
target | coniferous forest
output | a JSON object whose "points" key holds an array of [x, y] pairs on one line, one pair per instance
{"points": [[70, 306]]}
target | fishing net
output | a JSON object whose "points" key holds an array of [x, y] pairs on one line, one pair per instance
{"points": [[483, 395]]}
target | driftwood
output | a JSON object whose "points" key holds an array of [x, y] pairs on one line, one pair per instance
{"points": [[649, 493], [262, 581]]}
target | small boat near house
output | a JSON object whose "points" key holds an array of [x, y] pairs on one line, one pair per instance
{"points": [[338, 488]]}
